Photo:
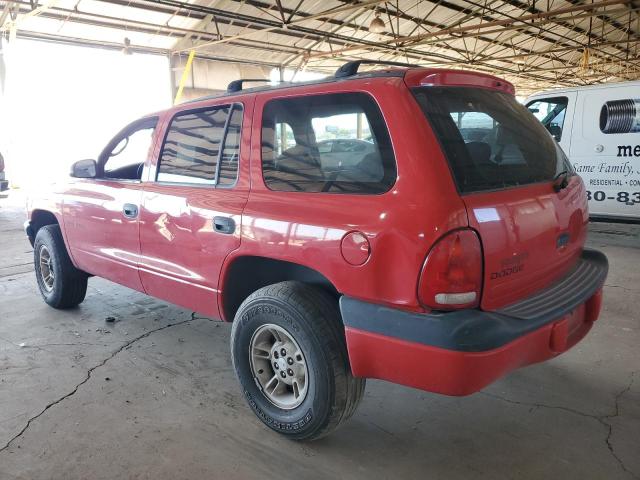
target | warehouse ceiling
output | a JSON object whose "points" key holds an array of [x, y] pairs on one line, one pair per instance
{"points": [[536, 44]]}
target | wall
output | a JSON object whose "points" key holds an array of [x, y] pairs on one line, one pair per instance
{"points": [[64, 103], [208, 77]]}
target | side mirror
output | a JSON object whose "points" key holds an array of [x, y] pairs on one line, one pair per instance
{"points": [[84, 169]]}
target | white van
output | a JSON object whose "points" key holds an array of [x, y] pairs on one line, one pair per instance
{"points": [[598, 127]]}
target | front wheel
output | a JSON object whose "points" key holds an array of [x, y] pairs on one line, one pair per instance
{"points": [[61, 284], [290, 356]]}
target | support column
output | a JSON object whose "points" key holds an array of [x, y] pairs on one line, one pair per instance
{"points": [[172, 75]]}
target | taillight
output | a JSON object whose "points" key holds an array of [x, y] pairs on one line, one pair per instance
{"points": [[451, 277]]}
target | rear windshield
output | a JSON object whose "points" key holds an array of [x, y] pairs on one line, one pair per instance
{"points": [[490, 140]]}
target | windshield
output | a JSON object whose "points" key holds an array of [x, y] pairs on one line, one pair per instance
{"points": [[489, 139]]}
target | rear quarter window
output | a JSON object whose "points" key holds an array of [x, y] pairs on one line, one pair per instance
{"points": [[334, 143]]}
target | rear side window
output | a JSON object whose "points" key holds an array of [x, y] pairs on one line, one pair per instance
{"points": [[203, 147], [490, 140], [335, 143]]}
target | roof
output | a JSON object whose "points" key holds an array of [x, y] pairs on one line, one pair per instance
{"points": [[559, 91], [283, 85], [532, 44], [414, 76]]}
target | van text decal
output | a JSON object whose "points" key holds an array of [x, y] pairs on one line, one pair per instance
{"points": [[628, 151]]}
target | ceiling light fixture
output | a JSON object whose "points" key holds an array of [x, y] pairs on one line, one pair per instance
{"points": [[520, 59], [127, 46], [377, 25]]}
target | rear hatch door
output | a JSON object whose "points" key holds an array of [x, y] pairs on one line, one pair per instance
{"points": [[521, 194]]}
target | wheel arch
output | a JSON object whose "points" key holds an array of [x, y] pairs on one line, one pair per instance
{"points": [[39, 219], [246, 274]]}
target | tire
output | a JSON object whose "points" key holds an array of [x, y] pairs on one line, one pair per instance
{"points": [[312, 320], [67, 286]]}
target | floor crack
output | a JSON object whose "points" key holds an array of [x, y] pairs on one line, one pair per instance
{"points": [[616, 413], [627, 289], [194, 316], [88, 377], [539, 405], [16, 265], [602, 419], [70, 344]]}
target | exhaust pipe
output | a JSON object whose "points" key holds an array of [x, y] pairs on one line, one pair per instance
{"points": [[620, 116]]}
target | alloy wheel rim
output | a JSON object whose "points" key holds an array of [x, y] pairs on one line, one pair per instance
{"points": [[278, 366], [46, 268]]}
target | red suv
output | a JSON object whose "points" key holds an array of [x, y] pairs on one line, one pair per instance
{"points": [[414, 225]]}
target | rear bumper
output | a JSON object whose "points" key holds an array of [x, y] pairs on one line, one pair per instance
{"points": [[461, 352]]}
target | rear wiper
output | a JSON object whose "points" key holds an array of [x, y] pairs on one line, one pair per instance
{"points": [[561, 181]]}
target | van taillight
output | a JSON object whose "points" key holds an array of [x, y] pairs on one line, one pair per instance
{"points": [[451, 277]]}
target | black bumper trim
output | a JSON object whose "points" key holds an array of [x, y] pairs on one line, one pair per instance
{"points": [[477, 330], [567, 293], [28, 229]]}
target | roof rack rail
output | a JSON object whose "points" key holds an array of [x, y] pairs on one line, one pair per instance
{"points": [[351, 68], [236, 85]]}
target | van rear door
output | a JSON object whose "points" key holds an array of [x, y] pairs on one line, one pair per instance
{"points": [[521, 194]]}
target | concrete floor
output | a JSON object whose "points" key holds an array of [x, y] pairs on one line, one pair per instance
{"points": [[153, 395]]}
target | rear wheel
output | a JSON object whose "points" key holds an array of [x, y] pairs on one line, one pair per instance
{"points": [[290, 356], [61, 284]]}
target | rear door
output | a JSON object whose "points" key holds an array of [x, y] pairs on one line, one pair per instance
{"points": [[190, 217], [506, 165]]}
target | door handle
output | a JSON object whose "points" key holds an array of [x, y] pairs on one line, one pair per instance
{"points": [[224, 225], [130, 210]]}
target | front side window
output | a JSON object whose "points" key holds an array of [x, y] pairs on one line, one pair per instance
{"points": [[550, 112], [335, 143], [490, 140], [126, 155], [202, 147]]}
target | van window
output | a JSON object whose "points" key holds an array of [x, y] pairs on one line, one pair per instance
{"points": [[335, 143], [550, 112], [499, 145], [284, 136], [473, 125], [192, 147]]}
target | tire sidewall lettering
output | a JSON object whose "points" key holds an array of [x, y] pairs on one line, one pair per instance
{"points": [[303, 416], [275, 424]]}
